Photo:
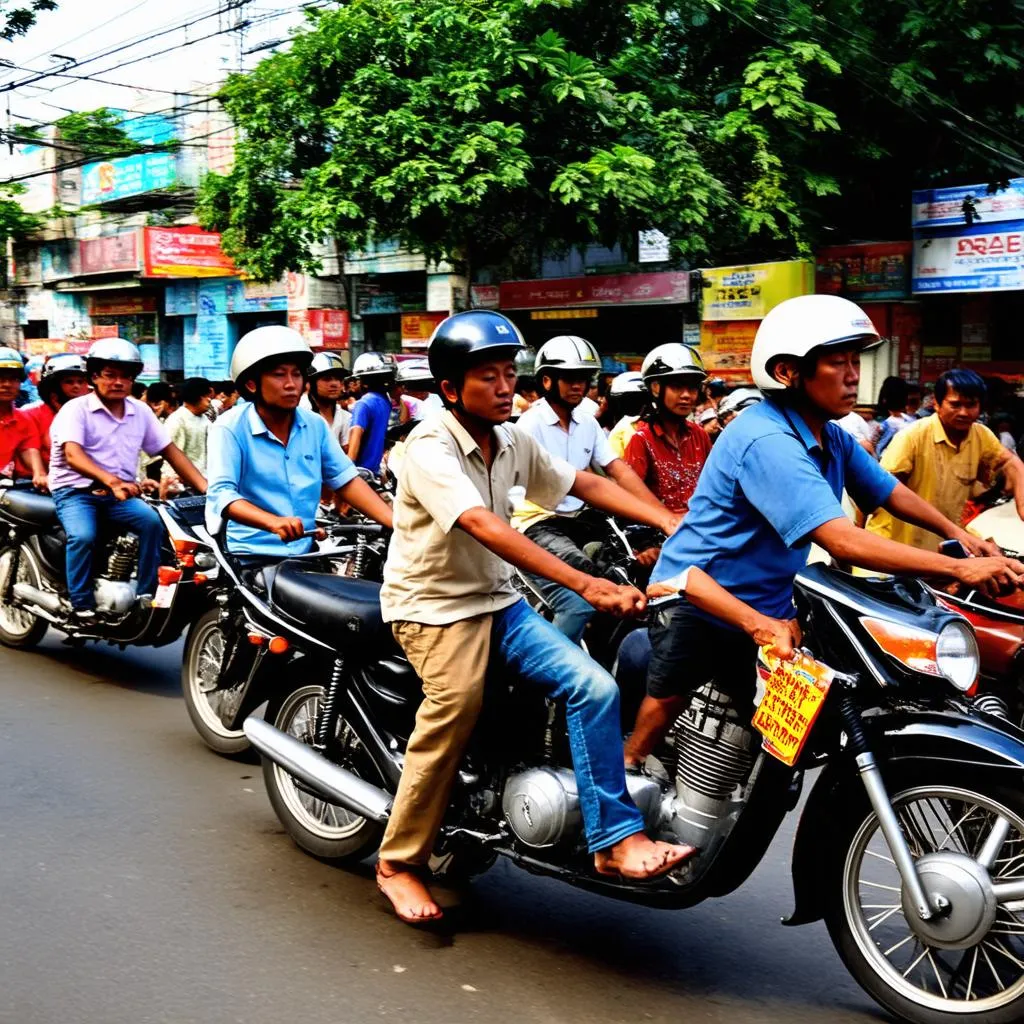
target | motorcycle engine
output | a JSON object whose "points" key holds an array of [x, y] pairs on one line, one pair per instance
{"points": [[115, 589], [715, 751], [542, 805]]}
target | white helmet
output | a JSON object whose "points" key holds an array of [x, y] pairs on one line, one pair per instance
{"points": [[738, 400], [326, 362], [798, 326], [629, 383], [567, 352], [414, 371], [263, 344], [672, 360], [113, 350], [373, 364]]}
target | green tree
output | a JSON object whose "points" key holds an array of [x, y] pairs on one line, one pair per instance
{"points": [[493, 130], [15, 223], [17, 19]]}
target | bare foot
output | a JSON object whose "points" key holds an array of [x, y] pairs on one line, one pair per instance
{"points": [[407, 893], [638, 857]]}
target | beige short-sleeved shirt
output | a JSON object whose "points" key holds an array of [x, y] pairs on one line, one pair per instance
{"points": [[436, 574], [939, 471]]}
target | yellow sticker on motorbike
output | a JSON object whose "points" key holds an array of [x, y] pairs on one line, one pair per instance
{"points": [[790, 695]]}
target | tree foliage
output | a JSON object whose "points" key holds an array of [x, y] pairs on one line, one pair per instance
{"points": [[17, 18], [15, 223], [493, 130]]}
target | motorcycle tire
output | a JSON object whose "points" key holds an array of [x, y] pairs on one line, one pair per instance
{"points": [[200, 669], [325, 830], [20, 628], [917, 979]]}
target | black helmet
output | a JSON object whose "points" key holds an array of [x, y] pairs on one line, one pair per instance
{"points": [[457, 340]]}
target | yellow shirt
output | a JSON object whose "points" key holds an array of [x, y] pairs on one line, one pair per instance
{"points": [[934, 468], [620, 434]]}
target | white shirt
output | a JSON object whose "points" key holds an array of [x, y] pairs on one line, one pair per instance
{"points": [[423, 408], [584, 445], [342, 419], [854, 423], [1007, 441]]}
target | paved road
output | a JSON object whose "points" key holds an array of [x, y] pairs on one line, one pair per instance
{"points": [[143, 879]]}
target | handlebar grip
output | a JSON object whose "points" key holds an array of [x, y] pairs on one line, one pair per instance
{"points": [[369, 529]]}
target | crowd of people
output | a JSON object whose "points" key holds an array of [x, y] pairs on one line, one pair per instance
{"points": [[492, 468]]}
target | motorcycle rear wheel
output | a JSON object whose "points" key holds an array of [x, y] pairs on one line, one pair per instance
{"points": [[325, 830], [919, 980], [201, 665], [19, 628]]}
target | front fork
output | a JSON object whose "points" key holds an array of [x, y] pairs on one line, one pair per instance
{"points": [[871, 776]]}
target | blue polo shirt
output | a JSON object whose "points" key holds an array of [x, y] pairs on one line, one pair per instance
{"points": [[372, 412], [766, 486], [244, 460]]}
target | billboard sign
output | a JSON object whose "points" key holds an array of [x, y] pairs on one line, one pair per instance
{"points": [[184, 252], [109, 253], [876, 270], [599, 290], [108, 180], [749, 292], [945, 207], [975, 259]]}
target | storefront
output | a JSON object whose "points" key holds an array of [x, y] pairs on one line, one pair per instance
{"points": [[623, 315], [734, 302], [968, 271]]}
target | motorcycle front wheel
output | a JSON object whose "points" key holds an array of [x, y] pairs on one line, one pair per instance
{"points": [[201, 664], [967, 964], [325, 830], [19, 628]]}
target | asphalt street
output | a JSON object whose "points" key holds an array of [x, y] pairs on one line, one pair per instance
{"points": [[144, 879]]}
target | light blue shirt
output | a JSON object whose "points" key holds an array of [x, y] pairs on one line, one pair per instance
{"points": [[246, 461], [767, 485]]}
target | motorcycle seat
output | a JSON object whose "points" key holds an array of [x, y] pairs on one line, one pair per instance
{"points": [[29, 507], [330, 608]]}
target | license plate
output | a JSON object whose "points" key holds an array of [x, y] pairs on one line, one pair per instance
{"points": [[164, 595], [790, 695]]}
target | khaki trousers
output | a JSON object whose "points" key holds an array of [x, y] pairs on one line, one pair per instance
{"points": [[451, 661]]}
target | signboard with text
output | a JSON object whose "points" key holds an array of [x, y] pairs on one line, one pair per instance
{"points": [[110, 253], [322, 328], [945, 207], [184, 252], [749, 292], [725, 348], [599, 290], [876, 270], [970, 260], [418, 327], [121, 304], [110, 180]]}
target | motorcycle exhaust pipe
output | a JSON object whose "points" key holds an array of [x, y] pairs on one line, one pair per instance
{"points": [[28, 594], [332, 782]]}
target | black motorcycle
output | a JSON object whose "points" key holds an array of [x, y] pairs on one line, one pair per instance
{"points": [[228, 665], [33, 587], [910, 846]]}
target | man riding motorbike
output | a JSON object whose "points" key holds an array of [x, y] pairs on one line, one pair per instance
{"points": [[96, 440], [771, 486], [564, 368], [19, 438], [268, 458], [449, 595], [64, 376], [368, 431], [326, 379]]}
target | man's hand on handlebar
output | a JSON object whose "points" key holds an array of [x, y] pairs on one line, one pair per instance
{"points": [[124, 489], [994, 576], [606, 596], [783, 636], [977, 547], [647, 557], [289, 528]]}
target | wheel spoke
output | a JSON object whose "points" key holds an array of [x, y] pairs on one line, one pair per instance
{"points": [[970, 977], [881, 856], [938, 977], [923, 954], [1000, 948], [883, 915], [995, 973], [902, 942], [878, 885]]}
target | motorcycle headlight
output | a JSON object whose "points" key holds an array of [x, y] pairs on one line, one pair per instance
{"points": [[956, 654], [952, 653]]}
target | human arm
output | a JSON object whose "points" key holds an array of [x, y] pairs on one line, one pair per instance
{"points": [[904, 504], [360, 495], [34, 461], [355, 440], [496, 535], [81, 463], [783, 635], [629, 480], [609, 496], [183, 468], [1009, 464]]}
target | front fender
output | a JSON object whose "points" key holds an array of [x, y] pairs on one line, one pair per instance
{"points": [[901, 740]]}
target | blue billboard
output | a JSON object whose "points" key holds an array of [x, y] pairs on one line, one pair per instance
{"points": [[108, 180]]}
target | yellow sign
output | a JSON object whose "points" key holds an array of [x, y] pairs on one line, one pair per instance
{"points": [[563, 314], [790, 696], [46, 346], [725, 348], [749, 292]]}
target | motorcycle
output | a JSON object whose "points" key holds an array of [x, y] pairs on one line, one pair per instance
{"points": [[910, 846], [227, 667], [33, 589]]}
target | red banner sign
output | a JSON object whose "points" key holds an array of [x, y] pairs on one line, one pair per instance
{"points": [[602, 290], [184, 252], [121, 304], [111, 253], [322, 328]]}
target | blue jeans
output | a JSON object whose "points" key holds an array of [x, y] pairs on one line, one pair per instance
{"points": [[79, 512], [543, 657], [564, 537]]}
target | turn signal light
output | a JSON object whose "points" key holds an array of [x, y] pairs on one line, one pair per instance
{"points": [[910, 646], [278, 645], [257, 639], [200, 577]]}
